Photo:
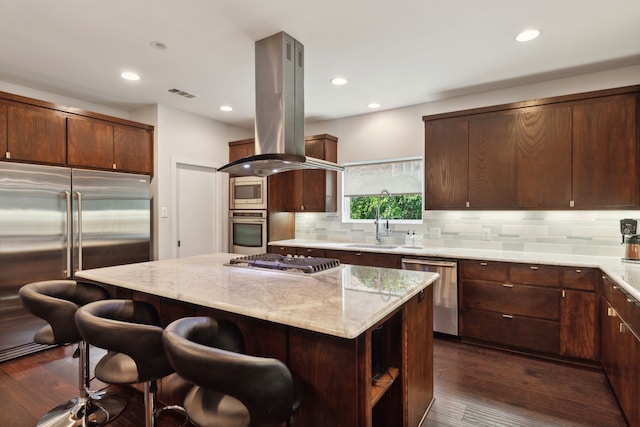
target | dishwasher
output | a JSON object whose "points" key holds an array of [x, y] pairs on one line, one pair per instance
{"points": [[445, 291]]}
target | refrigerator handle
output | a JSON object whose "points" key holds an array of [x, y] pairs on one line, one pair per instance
{"points": [[68, 273], [79, 196]]}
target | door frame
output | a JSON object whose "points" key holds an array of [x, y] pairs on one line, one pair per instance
{"points": [[221, 184]]}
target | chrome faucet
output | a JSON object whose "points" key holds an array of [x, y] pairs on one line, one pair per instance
{"points": [[377, 221]]}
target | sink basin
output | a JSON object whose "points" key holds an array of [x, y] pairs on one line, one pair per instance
{"points": [[370, 246]]}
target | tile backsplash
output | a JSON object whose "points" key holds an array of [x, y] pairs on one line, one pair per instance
{"points": [[562, 232]]}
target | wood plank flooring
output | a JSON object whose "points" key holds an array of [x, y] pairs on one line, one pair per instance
{"points": [[474, 386]]}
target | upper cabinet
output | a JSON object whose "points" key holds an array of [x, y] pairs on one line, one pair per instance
{"points": [[35, 134], [310, 190], [39, 132], [103, 145], [549, 154], [313, 190], [605, 152]]}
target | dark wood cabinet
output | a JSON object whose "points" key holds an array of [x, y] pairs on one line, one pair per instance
{"points": [[492, 166], [543, 157], [575, 151], [241, 149], [371, 259], [620, 348], [3, 131], [103, 145], [39, 132], [540, 308], [605, 152], [36, 134], [446, 163], [313, 190]]}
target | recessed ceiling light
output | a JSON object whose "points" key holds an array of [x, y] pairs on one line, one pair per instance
{"points": [[339, 81], [527, 35], [226, 108], [129, 75], [373, 105]]}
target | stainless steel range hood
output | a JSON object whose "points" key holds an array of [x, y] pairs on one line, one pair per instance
{"points": [[279, 122]]}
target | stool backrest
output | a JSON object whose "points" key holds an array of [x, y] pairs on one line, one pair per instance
{"points": [[56, 301], [129, 327], [263, 385]]}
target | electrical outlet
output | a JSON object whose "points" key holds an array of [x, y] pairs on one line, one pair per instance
{"points": [[434, 233], [486, 234]]}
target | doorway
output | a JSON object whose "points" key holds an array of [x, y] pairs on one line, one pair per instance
{"points": [[196, 213]]}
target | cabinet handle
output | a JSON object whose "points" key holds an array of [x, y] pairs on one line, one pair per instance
{"points": [[564, 293], [611, 312], [578, 271], [507, 285], [533, 267], [629, 299], [114, 166], [623, 328], [484, 264], [7, 155], [358, 254], [507, 316]]}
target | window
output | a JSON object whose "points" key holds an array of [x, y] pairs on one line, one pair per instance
{"points": [[364, 182]]}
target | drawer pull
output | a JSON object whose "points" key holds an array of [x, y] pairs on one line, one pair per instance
{"points": [[507, 316], [578, 271], [611, 312], [629, 300], [484, 264], [623, 328], [507, 285], [533, 267]]}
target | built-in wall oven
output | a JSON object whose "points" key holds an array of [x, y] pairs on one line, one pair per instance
{"points": [[248, 231]]}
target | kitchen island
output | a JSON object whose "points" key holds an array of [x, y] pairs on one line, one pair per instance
{"points": [[360, 338]]}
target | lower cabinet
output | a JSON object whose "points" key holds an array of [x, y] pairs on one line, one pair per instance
{"points": [[620, 347], [538, 308]]}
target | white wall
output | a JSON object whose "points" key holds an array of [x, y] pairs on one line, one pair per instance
{"points": [[191, 139]]}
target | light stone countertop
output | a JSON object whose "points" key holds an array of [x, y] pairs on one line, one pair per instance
{"points": [[343, 302], [625, 274]]}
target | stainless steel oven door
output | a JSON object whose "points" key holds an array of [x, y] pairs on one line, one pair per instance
{"points": [[248, 232]]}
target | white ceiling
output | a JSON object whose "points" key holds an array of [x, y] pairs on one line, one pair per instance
{"points": [[397, 53]]}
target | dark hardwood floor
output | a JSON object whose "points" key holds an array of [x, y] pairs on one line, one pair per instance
{"points": [[474, 386]]}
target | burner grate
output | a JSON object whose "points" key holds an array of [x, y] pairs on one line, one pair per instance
{"points": [[284, 262]]}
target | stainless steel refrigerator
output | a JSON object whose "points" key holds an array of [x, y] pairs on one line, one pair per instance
{"points": [[55, 221]]}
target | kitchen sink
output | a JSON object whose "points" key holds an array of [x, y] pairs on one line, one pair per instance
{"points": [[370, 246]]}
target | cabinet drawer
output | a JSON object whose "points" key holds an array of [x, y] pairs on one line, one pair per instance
{"points": [[578, 278], [519, 332], [485, 270], [511, 299], [313, 252], [541, 275], [365, 258]]}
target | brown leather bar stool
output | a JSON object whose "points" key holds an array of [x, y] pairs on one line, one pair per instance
{"points": [[56, 301], [130, 332], [231, 389]]}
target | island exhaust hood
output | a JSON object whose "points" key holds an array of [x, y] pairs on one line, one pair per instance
{"points": [[279, 122]]}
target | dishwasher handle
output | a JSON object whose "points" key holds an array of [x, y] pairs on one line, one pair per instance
{"points": [[429, 262]]}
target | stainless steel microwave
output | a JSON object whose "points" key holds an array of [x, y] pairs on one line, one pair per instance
{"points": [[248, 192]]}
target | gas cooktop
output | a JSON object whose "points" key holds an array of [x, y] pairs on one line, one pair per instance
{"points": [[287, 262]]}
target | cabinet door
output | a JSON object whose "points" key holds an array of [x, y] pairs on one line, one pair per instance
{"points": [[492, 174], [605, 152], [133, 149], [241, 149], [446, 163], [36, 134], [543, 157], [90, 143], [578, 325], [3, 131]]}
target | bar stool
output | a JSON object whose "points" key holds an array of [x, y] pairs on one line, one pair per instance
{"points": [[130, 332], [56, 301], [231, 389]]}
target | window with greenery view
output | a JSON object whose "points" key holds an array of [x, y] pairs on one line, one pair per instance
{"points": [[363, 183]]}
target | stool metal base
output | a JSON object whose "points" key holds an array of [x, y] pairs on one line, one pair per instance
{"points": [[84, 412]]}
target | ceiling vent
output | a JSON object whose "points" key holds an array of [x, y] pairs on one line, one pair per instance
{"points": [[182, 93]]}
